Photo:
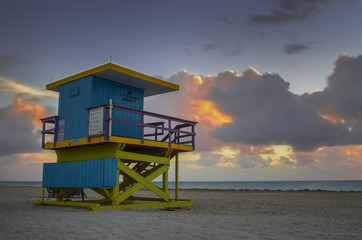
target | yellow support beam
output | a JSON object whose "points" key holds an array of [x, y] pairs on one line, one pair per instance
{"points": [[88, 152], [142, 157], [114, 139], [176, 177]]}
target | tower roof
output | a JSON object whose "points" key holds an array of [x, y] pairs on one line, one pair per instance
{"points": [[150, 85]]}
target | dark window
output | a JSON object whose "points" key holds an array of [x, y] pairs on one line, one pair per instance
{"points": [[74, 92]]}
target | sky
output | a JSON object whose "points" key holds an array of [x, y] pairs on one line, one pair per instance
{"points": [[275, 86]]}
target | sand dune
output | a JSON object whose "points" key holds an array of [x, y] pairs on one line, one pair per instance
{"points": [[216, 214]]}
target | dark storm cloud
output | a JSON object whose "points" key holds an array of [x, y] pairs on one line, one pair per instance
{"points": [[342, 98], [266, 112], [288, 11], [342, 95], [292, 48]]}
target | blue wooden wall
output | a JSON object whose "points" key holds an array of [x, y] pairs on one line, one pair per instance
{"points": [[81, 174], [76, 96]]}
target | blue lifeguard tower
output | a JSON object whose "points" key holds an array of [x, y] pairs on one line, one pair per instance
{"points": [[105, 141]]}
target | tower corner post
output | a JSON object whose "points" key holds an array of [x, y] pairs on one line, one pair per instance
{"points": [[176, 176]]}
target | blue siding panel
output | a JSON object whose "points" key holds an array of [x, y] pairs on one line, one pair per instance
{"points": [[110, 171], [74, 98], [130, 97], [81, 174]]}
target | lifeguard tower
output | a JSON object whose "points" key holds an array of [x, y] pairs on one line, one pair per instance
{"points": [[105, 141]]}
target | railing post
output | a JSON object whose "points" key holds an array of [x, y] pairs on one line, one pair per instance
{"points": [[156, 133], [142, 128], [169, 133], [88, 138], [106, 122], [193, 136], [55, 131], [110, 119], [176, 177], [43, 136], [165, 182]]}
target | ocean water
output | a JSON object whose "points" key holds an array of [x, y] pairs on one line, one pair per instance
{"points": [[275, 185], [245, 185], [20, 184]]}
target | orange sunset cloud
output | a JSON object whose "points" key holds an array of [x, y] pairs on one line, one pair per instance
{"points": [[34, 111], [206, 112]]}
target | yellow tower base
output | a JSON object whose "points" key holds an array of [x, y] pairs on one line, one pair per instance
{"points": [[138, 170]]}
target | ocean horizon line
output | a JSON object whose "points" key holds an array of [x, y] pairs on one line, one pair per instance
{"points": [[291, 185], [337, 180]]}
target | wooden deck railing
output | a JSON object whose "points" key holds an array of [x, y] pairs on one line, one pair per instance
{"points": [[162, 128]]}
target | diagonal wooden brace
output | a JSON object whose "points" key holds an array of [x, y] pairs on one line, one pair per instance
{"points": [[142, 181], [129, 181]]}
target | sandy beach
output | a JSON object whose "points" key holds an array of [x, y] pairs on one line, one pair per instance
{"points": [[216, 214]]}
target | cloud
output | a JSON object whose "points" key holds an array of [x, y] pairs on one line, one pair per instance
{"points": [[253, 161], [17, 124], [30, 110], [207, 47], [259, 110], [211, 41], [19, 121], [16, 88], [36, 158], [244, 156], [235, 52], [24, 166], [342, 95], [288, 11], [20, 126], [293, 48], [209, 159], [341, 100], [252, 120], [232, 50], [21, 155], [266, 112], [20, 151], [332, 162]]}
